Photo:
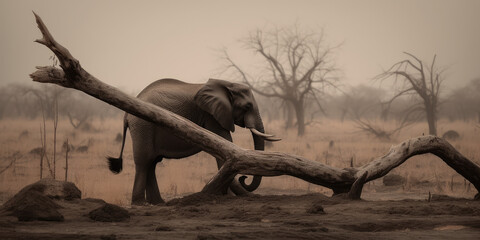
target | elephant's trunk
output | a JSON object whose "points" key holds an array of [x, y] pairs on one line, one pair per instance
{"points": [[254, 121]]}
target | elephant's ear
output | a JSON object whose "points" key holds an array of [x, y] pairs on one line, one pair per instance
{"points": [[215, 98]]}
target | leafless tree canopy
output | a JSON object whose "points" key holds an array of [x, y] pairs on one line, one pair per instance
{"points": [[298, 66], [362, 104], [413, 76]]}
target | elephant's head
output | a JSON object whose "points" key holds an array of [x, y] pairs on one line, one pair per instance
{"points": [[233, 104]]}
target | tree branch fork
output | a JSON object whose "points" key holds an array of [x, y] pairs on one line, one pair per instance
{"points": [[244, 161]]}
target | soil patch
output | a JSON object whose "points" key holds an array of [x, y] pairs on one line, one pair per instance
{"points": [[198, 199], [203, 216]]}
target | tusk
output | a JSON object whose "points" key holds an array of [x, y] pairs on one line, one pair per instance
{"points": [[256, 132], [272, 139]]}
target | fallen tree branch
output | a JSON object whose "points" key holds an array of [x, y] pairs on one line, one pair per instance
{"points": [[237, 159], [356, 189]]}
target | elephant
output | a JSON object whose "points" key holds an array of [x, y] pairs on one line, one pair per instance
{"points": [[217, 106]]}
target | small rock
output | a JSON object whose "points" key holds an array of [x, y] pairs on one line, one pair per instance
{"points": [[109, 213], [315, 208], [451, 135]]}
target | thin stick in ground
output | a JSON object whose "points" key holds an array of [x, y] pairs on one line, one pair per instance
{"points": [[66, 161], [55, 125]]}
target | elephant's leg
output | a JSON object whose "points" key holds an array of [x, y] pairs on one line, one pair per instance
{"points": [[143, 155], [153, 194], [139, 186]]}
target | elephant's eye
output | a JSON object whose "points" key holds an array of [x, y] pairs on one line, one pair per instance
{"points": [[247, 106]]}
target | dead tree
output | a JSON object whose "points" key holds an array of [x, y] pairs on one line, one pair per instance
{"points": [[244, 161], [420, 79], [298, 68], [365, 125]]}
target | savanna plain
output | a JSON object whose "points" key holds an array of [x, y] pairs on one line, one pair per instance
{"points": [[428, 199]]}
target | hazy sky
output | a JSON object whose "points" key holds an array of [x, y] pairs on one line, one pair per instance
{"points": [[131, 43]]}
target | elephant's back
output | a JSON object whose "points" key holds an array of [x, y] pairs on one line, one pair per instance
{"points": [[170, 85], [171, 94]]}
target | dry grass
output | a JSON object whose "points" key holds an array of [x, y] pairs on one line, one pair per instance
{"points": [[89, 171]]}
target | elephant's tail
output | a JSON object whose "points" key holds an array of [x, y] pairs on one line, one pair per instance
{"points": [[116, 164]]}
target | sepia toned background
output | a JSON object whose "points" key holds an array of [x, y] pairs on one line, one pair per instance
{"points": [[129, 44]]}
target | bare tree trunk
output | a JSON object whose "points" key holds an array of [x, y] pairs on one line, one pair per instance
{"points": [[300, 114], [243, 161], [431, 119], [55, 126], [289, 115], [66, 160]]}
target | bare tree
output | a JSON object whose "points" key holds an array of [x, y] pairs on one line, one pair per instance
{"points": [[367, 126], [297, 67], [417, 78]]}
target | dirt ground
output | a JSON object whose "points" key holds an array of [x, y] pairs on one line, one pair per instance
{"points": [[284, 207], [305, 216]]}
